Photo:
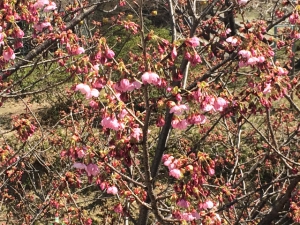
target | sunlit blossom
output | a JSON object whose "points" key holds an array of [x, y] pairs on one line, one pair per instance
{"points": [[112, 190]]}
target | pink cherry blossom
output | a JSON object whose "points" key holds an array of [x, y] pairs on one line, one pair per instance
{"points": [[41, 25], [232, 40], [80, 166], [1, 38], [197, 119], [208, 204], [176, 173], [252, 60], [136, 133], [242, 2], [187, 216], [19, 33], [79, 50], [211, 171], [245, 54], [151, 78], [179, 124], [40, 4], [179, 109], [111, 123], [109, 53], [220, 104], [282, 71], [92, 169], [87, 91], [195, 59], [174, 53], [261, 59], [267, 89], [112, 190], [183, 203], [8, 54], [192, 42], [50, 7], [80, 153], [118, 208]]}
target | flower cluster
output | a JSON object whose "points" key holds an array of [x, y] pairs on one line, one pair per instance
{"points": [[87, 91], [91, 169]]}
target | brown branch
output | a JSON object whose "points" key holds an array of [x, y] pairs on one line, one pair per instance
{"points": [[280, 203]]}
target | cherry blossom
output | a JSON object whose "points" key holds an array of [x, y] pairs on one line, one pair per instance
{"points": [[179, 109], [50, 7], [109, 53], [40, 4], [87, 91], [92, 169], [175, 173], [180, 124], [220, 104], [136, 133], [232, 40], [80, 166], [8, 54], [183, 203], [112, 190], [151, 78], [111, 123], [192, 42]]}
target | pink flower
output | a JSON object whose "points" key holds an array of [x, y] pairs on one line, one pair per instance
{"points": [[122, 114], [175, 173], [187, 216], [208, 204], [220, 104], [50, 7], [151, 78], [211, 171], [79, 50], [118, 208], [111, 123], [242, 2], [40, 26], [232, 40], [19, 33], [1, 38], [183, 203], [109, 53], [124, 85], [122, 3], [192, 42], [282, 71], [40, 4], [179, 124], [174, 53], [195, 59], [245, 54], [80, 153], [267, 88], [179, 109], [252, 61], [136, 133], [80, 166], [87, 91], [112, 190], [93, 104], [8, 54], [197, 119], [169, 161], [92, 169], [261, 59]]}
